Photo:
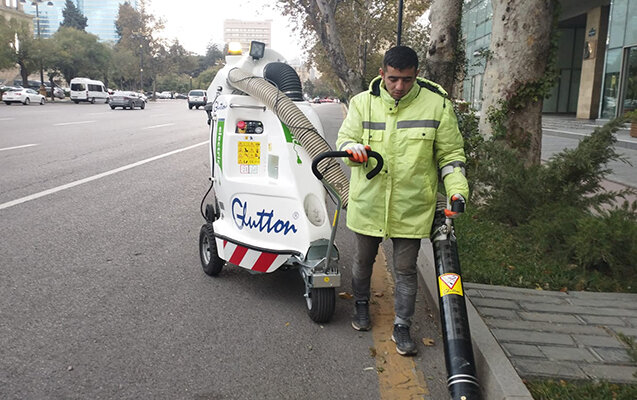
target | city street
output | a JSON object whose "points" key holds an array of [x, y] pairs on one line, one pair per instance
{"points": [[101, 289]]}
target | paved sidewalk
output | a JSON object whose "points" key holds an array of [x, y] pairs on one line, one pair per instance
{"points": [[570, 335]]}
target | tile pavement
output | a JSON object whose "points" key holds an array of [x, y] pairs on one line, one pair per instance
{"points": [[573, 335]]}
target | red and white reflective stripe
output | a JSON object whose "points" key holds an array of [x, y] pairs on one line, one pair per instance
{"points": [[252, 259]]}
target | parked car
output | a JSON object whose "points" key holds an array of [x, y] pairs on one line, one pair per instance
{"points": [[165, 95], [126, 100], [180, 96], [22, 95], [197, 98]]}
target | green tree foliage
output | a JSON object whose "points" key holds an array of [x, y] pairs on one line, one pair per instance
{"points": [[365, 30], [139, 33], [77, 53], [17, 46], [73, 18]]}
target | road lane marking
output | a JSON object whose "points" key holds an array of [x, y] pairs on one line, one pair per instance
{"points": [[18, 147], [73, 123], [398, 377], [99, 113], [7, 119], [158, 126], [94, 177]]}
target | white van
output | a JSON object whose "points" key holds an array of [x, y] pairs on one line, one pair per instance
{"points": [[84, 89]]}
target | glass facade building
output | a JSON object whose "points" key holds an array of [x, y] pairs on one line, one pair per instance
{"points": [[101, 16], [597, 57], [619, 92]]}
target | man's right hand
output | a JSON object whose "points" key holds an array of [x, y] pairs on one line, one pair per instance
{"points": [[357, 152]]}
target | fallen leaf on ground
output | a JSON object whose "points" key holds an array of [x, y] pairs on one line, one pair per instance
{"points": [[564, 289], [379, 294], [287, 324], [372, 352], [428, 341], [345, 295]]}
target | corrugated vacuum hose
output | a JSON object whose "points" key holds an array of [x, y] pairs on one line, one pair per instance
{"points": [[297, 122]]}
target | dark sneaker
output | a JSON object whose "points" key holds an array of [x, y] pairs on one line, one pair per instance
{"points": [[361, 321], [404, 345]]}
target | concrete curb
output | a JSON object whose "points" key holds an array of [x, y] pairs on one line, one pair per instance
{"points": [[497, 376]]}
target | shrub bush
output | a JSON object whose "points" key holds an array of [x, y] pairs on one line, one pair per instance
{"points": [[560, 207]]}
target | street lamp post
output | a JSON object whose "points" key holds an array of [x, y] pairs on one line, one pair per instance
{"points": [[37, 18]]}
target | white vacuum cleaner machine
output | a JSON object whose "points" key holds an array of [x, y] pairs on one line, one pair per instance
{"points": [[267, 209]]}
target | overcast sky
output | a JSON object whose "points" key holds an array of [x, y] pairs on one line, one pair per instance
{"points": [[197, 22]]}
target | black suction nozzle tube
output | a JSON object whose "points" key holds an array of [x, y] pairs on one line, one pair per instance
{"points": [[339, 154]]}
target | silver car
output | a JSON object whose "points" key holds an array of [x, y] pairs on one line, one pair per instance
{"points": [[126, 100]]}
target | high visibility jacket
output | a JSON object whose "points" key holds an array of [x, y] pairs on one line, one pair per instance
{"points": [[416, 136]]}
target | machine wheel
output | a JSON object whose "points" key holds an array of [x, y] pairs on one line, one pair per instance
{"points": [[190, 106], [42, 101], [7, 103], [26, 101], [112, 107], [143, 105], [320, 304], [76, 101], [210, 260], [93, 100]]}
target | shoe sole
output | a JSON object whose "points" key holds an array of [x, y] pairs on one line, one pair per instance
{"points": [[402, 352], [360, 328]]}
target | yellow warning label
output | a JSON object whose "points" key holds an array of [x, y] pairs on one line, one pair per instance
{"points": [[326, 279], [450, 284], [249, 153]]}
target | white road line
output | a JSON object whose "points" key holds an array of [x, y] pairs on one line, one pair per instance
{"points": [[99, 113], [94, 177], [158, 126], [73, 123], [6, 119], [18, 147]]}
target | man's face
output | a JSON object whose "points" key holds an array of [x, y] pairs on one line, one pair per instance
{"points": [[398, 82]]}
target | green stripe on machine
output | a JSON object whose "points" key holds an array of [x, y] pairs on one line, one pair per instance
{"points": [[219, 143]]}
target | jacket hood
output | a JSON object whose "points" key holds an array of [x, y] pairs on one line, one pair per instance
{"points": [[375, 86]]}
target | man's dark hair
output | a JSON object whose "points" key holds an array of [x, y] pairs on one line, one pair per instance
{"points": [[401, 57]]}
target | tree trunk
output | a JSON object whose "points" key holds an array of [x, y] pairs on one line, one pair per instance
{"points": [[441, 64], [516, 78], [24, 73], [321, 14]]}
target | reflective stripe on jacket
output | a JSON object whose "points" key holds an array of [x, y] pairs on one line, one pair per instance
{"points": [[416, 136]]}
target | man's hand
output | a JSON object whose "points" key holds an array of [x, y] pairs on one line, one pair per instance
{"points": [[357, 152], [456, 206]]}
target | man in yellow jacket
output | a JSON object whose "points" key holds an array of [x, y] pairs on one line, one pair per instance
{"points": [[412, 124]]}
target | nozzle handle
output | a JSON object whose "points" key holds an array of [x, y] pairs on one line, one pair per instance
{"points": [[339, 154]]}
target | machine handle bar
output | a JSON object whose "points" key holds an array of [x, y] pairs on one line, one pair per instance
{"points": [[338, 154]]}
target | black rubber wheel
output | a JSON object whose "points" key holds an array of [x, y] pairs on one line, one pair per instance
{"points": [[112, 107], [210, 261], [27, 101], [321, 303], [142, 106], [76, 102], [93, 100], [190, 106], [42, 101]]}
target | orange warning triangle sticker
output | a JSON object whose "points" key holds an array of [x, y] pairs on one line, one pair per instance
{"points": [[450, 279]]}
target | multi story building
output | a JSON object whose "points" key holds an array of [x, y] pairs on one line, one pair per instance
{"points": [[244, 32], [101, 16], [597, 56]]}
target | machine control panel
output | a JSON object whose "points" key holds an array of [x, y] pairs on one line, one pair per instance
{"points": [[249, 127]]}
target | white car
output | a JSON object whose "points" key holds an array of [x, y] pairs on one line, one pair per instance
{"points": [[24, 96]]}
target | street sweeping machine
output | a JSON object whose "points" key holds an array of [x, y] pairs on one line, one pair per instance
{"points": [[267, 208]]}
